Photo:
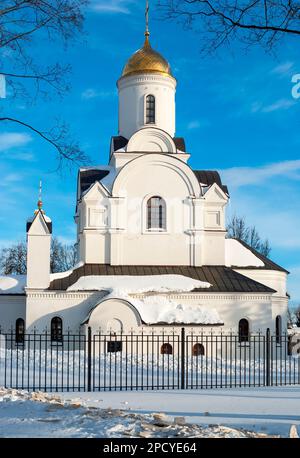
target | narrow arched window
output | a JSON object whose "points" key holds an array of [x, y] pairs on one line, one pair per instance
{"points": [[198, 350], [278, 329], [243, 330], [166, 349], [56, 329], [150, 109], [156, 213], [20, 331]]}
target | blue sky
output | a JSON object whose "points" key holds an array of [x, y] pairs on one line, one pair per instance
{"points": [[235, 111]]}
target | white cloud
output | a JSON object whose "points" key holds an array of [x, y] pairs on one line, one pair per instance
{"points": [[92, 93], [281, 104], [283, 69], [26, 156], [111, 6], [294, 284], [245, 176], [10, 140], [10, 178], [193, 125]]}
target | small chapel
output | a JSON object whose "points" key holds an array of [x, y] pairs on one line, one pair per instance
{"points": [[152, 246]]}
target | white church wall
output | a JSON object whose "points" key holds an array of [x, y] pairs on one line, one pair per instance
{"points": [[213, 248], [38, 253], [94, 210], [275, 279], [233, 307], [11, 308], [95, 247], [211, 242], [153, 175], [118, 160], [38, 261], [73, 308], [280, 308], [132, 93]]}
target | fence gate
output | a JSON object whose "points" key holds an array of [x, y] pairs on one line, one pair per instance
{"points": [[152, 360]]}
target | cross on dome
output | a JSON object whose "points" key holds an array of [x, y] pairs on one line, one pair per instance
{"points": [[146, 59]]}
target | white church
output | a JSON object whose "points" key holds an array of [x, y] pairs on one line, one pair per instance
{"points": [[151, 237]]}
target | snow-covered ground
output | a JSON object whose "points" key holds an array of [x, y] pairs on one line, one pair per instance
{"points": [[189, 413]]}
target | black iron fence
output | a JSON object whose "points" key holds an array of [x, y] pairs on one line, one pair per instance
{"points": [[170, 359]]}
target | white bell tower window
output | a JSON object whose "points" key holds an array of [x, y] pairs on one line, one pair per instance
{"points": [[156, 214], [150, 109]]}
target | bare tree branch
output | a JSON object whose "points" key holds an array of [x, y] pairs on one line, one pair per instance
{"points": [[22, 22], [52, 76], [58, 138], [13, 258], [254, 22], [237, 229]]}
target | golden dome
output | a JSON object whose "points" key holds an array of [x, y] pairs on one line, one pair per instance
{"points": [[146, 60]]}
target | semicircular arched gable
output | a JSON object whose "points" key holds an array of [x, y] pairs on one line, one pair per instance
{"points": [[151, 139], [111, 309], [141, 164]]}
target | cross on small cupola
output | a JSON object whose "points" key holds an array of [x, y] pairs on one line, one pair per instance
{"points": [[39, 211], [40, 202]]}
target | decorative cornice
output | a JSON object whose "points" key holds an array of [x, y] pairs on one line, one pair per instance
{"points": [[62, 294], [204, 296], [188, 296], [138, 79]]}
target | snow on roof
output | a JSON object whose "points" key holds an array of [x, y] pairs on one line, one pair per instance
{"points": [[12, 284], [238, 255], [66, 273], [154, 308], [161, 309], [31, 218], [97, 167], [106, 181], [109, 179], [127, 284]]}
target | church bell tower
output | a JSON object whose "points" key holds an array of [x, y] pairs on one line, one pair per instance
{"points": [[146, 91]]}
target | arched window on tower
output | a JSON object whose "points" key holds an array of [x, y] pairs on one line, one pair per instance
{"points": [[150, 109], [244, 330], [156, 214], [56, 329], [20, 331], [278, 329]]}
